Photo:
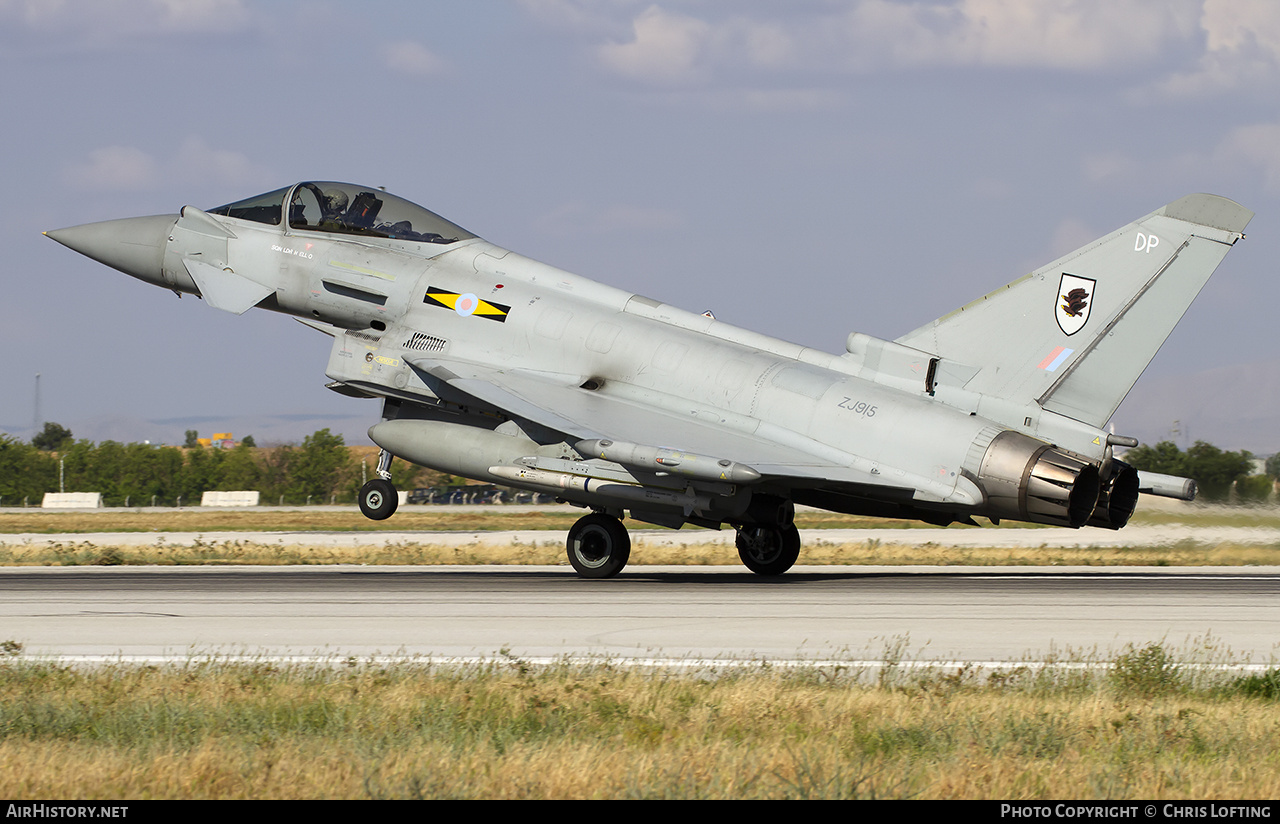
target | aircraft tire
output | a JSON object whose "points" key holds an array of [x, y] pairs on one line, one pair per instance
{"points": [[598, 546], [378, 499], [768, 550]]}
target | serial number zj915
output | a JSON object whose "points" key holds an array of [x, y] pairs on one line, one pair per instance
{"points": [[862, 408]]}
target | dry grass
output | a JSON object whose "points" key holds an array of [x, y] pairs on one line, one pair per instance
{"points": [[210, 730], [409, 519], [263, 549], [497, 518], [644, 552]]}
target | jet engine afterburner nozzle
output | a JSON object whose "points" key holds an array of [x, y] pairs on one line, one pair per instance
{"points": [[1029, 480], [1119, 497]]}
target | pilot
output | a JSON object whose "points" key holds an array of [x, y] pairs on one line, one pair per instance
{"points": [[334, 202]]}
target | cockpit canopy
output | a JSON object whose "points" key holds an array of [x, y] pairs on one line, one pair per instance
{"points": [[343, 208]]}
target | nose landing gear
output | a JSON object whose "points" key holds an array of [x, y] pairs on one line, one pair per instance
{"points": [[378, 498]]}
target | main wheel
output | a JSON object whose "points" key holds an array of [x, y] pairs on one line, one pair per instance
{"points": [[598, 546], [378, 499], [768, 550]]}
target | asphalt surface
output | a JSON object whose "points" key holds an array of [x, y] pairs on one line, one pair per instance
{"points": [[989, 614]]}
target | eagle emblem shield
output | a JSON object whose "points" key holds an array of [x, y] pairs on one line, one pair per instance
{"points": [[1075, 299]]}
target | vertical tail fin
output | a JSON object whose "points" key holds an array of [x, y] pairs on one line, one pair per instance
{"points": [[1075, 335]]}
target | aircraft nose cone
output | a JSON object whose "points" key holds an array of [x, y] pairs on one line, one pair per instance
{"points": [[134, 245]]}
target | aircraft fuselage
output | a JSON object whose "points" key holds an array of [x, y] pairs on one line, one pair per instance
{"points": [[503, 369]]}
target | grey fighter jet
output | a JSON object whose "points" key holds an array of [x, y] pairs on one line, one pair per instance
{"points": [[499, 368]]}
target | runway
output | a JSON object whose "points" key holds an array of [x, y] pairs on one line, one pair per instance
{"points": [[987, 614]]}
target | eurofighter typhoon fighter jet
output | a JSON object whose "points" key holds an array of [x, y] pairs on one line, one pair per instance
{"points": [[499, 368]]}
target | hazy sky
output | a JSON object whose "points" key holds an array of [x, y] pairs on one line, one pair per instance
{"points": [[803, 168]]}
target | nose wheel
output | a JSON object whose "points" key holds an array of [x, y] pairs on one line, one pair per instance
{"points": [[598, 546], [378, 498], [768, 550]]}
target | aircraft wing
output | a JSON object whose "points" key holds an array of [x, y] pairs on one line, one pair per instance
{"points": [[559, 402]]}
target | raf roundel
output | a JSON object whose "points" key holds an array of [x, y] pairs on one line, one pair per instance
{"points": [[466, 304]]}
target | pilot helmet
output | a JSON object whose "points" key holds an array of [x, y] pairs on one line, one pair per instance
{"points": [[335, 201]]}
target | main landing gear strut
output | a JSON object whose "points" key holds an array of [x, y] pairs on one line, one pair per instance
{"points": [[378, 498]]}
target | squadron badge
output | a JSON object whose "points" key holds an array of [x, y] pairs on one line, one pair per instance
{"points": [[1075, 299]]}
